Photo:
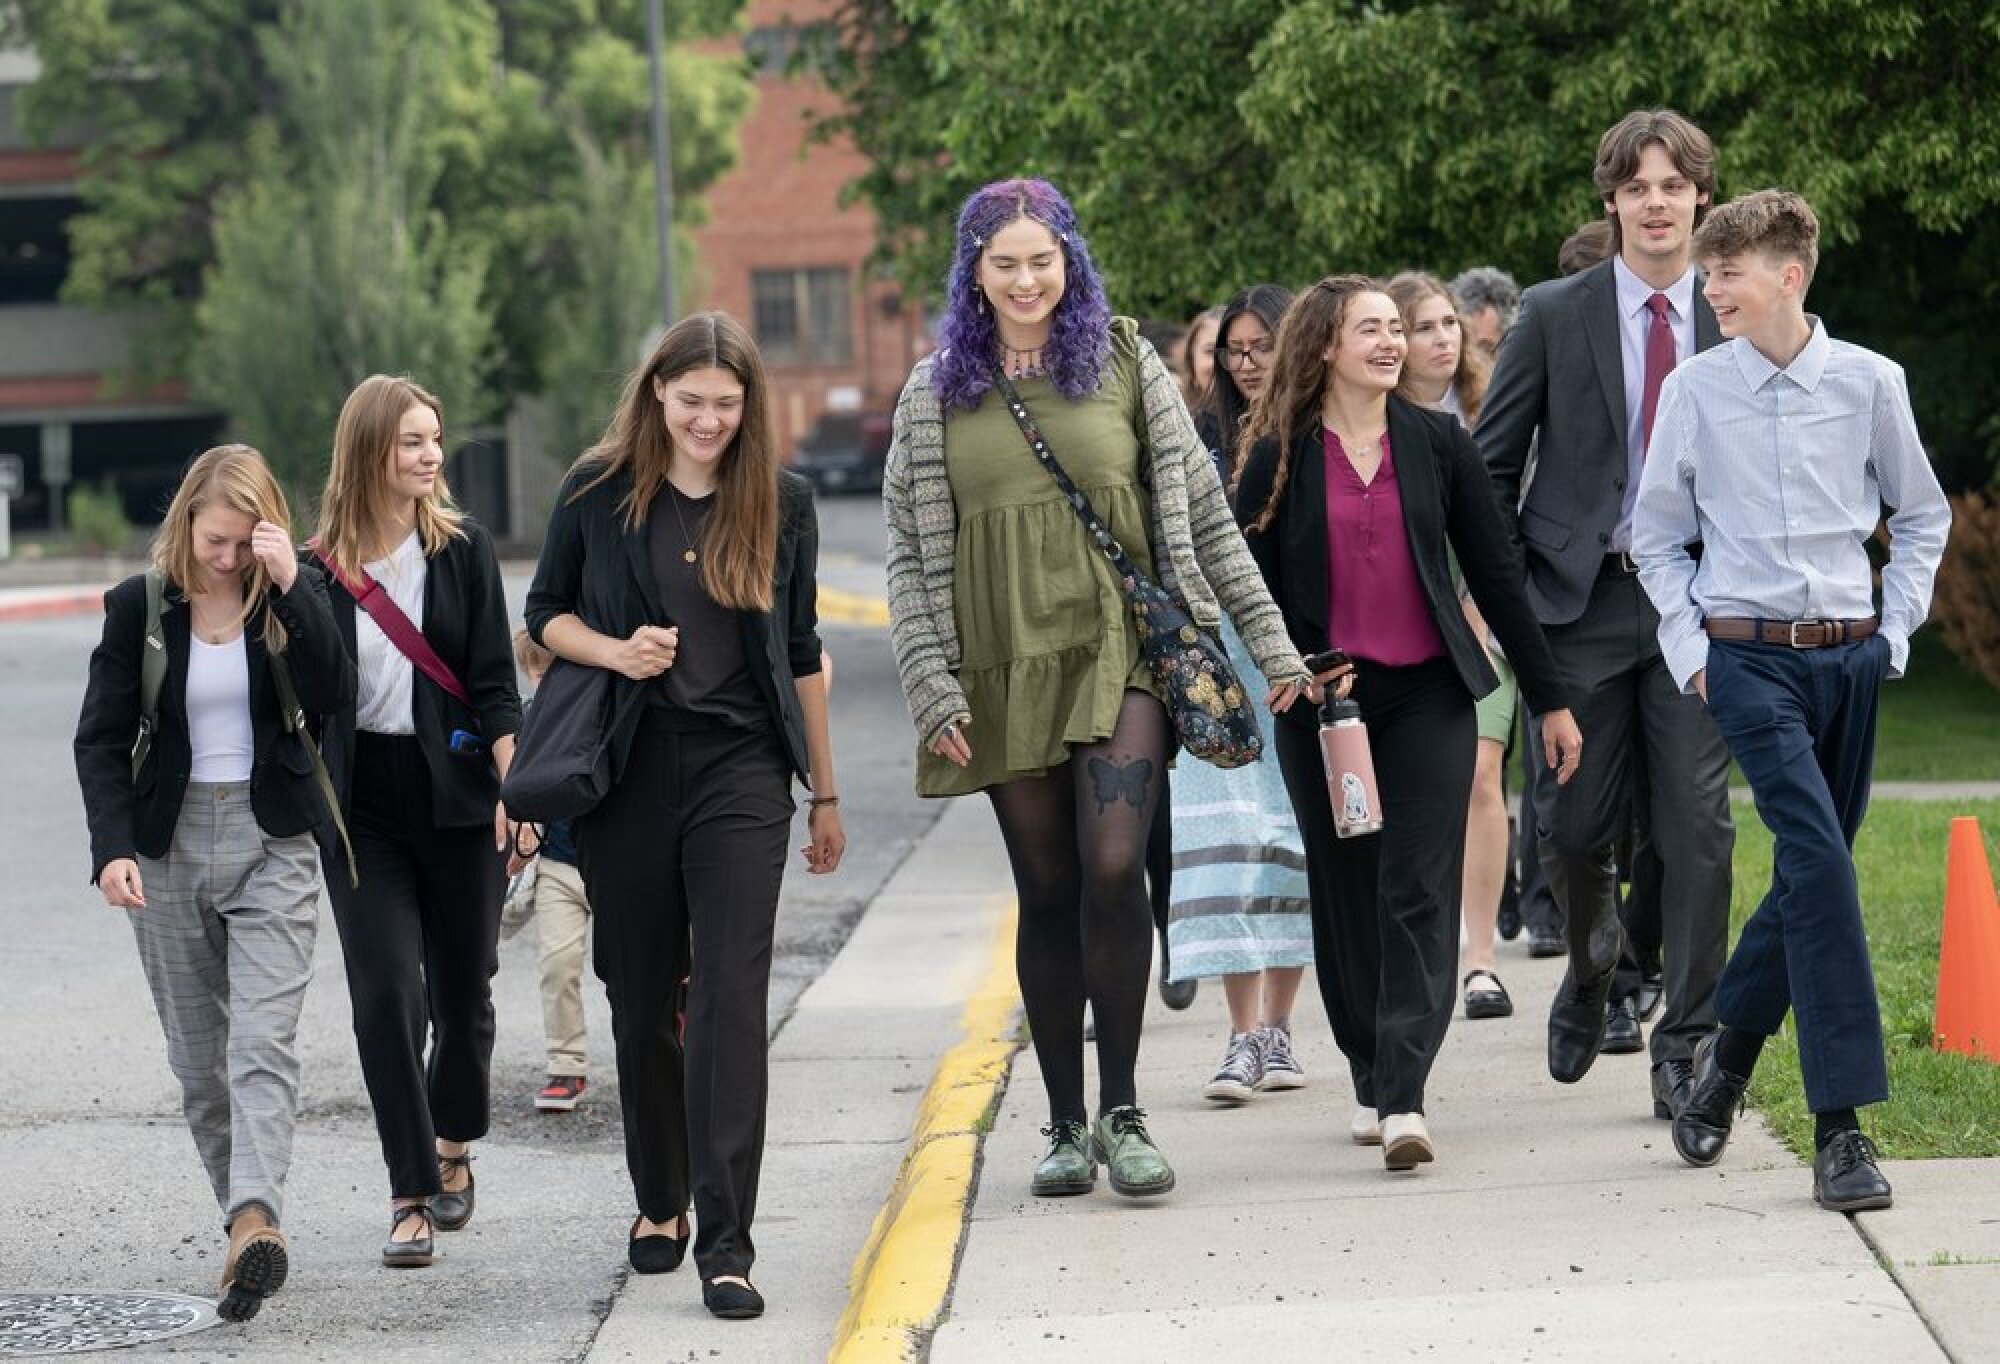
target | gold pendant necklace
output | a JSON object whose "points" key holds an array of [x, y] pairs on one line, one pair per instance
{"points": [[674, 496]]}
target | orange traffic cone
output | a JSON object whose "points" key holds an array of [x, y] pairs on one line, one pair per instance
{"points": [[1968, 994]]}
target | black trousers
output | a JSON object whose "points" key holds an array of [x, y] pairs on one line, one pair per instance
{"points": [[1385, 905], [420, 936], [1638, 727], [682, 862]]}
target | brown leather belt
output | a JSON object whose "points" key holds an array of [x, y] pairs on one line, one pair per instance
{"points": [[1793, 634]]}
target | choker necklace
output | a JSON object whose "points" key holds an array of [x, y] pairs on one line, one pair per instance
{"points": [[1022, 364], [674, 495]]}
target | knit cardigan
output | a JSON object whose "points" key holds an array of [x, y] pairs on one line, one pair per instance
{"points": [[1205, 562]]}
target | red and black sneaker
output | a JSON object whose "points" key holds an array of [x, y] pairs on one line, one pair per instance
{"points": [[560, 1094]]}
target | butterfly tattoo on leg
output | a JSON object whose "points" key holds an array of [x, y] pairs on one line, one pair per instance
{"points": [[1114, 781]]}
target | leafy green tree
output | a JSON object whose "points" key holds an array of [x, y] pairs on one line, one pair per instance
{"points": [[1210, 144], [332, 262]]}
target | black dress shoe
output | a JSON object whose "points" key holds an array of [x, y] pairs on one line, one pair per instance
{"points": [[1715, 1097], [1652, 989], [1177, 994], [1622, 1036], [1671, 1082], [1510, 906], [1576, 1027], [1546, 942], [731, 1301], [452, 1209], [1846, 1177], [655, 1254]]}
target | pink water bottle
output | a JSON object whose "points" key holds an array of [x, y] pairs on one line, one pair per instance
{"points": [[1350, 769]]}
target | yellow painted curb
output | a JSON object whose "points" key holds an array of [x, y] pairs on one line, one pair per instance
{"points": [[841, 607], [900, 1279]]}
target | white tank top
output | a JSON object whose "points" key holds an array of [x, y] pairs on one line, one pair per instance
{"points": [[218, 711], [385, 701]]}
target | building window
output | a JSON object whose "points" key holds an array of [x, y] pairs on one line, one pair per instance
{"points": [[792, 49], [803, 317]]}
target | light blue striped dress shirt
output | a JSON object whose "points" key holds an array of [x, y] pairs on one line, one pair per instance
{"points": [[1782, 475]]}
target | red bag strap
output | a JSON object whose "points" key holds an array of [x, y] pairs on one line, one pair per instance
{"points": [[402, 632]]}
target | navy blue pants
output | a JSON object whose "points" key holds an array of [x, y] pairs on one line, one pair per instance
{"points": [[1801, 725]]}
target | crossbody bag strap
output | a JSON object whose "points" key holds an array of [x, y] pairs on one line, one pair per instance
{"points": [[294, 716], [1100, 534], [400, 629], [152, 669]]}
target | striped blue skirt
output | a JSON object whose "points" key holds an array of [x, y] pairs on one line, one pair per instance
{"points": [[1239, 890]]}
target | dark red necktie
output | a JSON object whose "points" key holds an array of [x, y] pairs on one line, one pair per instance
{"points": [[1659, 363]]}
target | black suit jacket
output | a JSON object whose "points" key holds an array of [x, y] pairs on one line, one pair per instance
{"points": [[1558, 391], [1447, 499], [129, 818], [465, 620], [594, 568]]}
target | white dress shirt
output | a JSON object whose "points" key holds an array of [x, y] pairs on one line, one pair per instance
{"points": [[1782, 475], [386, 681], [1634, 321]]}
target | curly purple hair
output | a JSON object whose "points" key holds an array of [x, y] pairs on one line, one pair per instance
{"points": [[1079, 344]]}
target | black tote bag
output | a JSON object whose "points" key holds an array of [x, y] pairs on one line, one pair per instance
{"points": [[562, 756]]}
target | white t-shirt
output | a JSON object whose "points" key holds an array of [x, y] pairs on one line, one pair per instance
{"points": [[387, 680], [218, 711]]}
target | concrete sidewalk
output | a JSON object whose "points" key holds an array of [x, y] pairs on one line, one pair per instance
{"points": [[1557, 1224]]}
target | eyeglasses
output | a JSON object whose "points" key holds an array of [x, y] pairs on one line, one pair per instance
{"points": [[1231, 357]]}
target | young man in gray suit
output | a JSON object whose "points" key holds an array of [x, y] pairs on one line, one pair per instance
{"points": [[1577, 383]]}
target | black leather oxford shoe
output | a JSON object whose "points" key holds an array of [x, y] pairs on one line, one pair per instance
{"points": [[1846, 1177], [1715, 1097]]}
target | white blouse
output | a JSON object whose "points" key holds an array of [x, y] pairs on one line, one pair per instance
{"points": [[387, 680]]}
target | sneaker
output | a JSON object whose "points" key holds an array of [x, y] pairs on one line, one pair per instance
{"points": [[1067, 1168], [1242, 1069], [560, 1094], [1135, 1166], [1281, 1068]]}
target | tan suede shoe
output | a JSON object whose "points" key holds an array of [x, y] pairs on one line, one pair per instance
{"points": [[256, 1266]]}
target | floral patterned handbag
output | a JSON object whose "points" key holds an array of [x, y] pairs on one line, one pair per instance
{"points": [[1210, 710]]}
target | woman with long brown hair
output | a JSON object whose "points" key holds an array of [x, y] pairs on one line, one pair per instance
{"points": [[417, 761], [1350, 498], [202, 830], [682, 559]]}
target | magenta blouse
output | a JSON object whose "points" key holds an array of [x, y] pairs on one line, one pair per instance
{"points": [[1375, 605]]}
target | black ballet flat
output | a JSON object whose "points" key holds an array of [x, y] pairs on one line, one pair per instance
{"points": [[655, 1254], [731, 1301]]}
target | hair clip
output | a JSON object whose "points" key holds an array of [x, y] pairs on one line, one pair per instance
{"points": [[978, 242]]}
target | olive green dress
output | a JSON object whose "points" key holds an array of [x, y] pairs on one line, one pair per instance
{"points": [[1047, 642]]}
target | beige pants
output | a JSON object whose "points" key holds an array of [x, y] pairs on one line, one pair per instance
{"points": [[562, 917]]}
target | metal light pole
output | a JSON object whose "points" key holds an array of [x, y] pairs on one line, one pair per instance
{"points": [[663, 179]]}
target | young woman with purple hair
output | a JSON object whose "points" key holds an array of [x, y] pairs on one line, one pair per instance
{"points": [[1017, 651]]}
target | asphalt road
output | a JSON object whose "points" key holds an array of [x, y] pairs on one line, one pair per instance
{"points": [[98, 1175]]}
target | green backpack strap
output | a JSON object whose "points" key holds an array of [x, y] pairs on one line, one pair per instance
{"points": [[295, 723], [152, 669]]}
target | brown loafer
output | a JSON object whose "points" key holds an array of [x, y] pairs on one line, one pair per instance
{"points": [[256, 1267]]}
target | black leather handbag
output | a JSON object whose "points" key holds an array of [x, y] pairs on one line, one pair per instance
{"points": [[562, 756], [1205, 699]]}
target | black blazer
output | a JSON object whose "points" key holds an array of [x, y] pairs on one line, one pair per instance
{"points": [[465, 620], [594, 568], [130, 818], [1558, 392], [1447, 498]]}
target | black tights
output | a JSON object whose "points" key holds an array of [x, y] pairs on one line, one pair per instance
{"points": [[1076, 838]]}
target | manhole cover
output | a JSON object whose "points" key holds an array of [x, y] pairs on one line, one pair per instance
{"points": [[71, 1323]]}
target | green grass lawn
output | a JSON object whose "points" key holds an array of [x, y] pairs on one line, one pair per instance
{"points": [[1941, 722], [1939, 1104]]}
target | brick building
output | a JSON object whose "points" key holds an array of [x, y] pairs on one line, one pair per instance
{"points": [[779, 253]]}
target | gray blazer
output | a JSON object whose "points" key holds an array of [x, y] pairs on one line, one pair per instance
{"points": [[1558, 394]]}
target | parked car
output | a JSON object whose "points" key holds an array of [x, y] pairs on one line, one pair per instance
{"points": [[845, 451]]}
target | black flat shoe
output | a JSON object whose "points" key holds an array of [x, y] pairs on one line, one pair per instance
{"points": [[1622, 1035], [731, 1301], [415, 1253], [1846, 1177], [1489, 1000], [452, 1209], [655, 1254], [1715, 1097], [1672, 1080]]}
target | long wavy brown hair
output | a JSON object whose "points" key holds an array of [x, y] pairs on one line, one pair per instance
{"points": [[739, 540], [236, 477], [355, 504], [1290, 402], [1408, 291]]}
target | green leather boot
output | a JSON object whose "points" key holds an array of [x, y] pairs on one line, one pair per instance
{"points": [[1067, 1168], [1135, 1166]]}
